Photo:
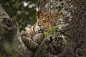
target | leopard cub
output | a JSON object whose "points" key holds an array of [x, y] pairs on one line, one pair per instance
{"points": [[34, 36]]}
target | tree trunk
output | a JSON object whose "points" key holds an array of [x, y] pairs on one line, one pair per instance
{"points": [[69, 38], [11, 44]]}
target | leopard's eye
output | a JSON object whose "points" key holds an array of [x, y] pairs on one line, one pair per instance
{"points": [[44, 21]]}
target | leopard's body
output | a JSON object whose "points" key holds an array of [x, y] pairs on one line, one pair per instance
{"points": [[34, 36]]}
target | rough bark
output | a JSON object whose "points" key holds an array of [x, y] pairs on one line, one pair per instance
{"points": [[69, 38], [11, 44], [43, 6]]}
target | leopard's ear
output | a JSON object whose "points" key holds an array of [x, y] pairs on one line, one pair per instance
{"points": [[39, 14], [55, 15]]}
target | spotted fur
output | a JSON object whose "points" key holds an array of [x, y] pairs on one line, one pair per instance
{"points": [[34, 36]]}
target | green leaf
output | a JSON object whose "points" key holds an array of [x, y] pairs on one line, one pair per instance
{"points": [[45, 35], [50, 30], [49, 33], [45, 32], [46, 29], [50, 26], [53, 26]]}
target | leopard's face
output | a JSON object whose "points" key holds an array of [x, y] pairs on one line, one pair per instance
{"points": [[34, 36], [44, 19]]}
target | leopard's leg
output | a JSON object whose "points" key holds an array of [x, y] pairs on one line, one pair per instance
{"points": [[38, 38], [32, 42]]}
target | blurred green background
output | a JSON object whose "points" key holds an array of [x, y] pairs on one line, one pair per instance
{"points": [[23, 11]]}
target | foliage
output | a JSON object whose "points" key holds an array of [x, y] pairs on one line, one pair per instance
{"points": [[23, 11], [50, 30], [84, 52]]}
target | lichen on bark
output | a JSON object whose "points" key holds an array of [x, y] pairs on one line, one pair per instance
{"points": [[70, 26]]}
